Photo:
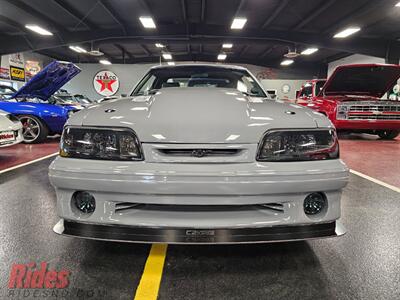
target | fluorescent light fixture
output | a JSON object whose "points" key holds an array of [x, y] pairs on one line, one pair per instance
{"points": [[171, 63], [227, 46], [38, 29], [158, 45], [221, 56], [346, 32], [309, 51], [167, 56], [77, 49], [105, 62], [398, 4], [238, 23], [287, 62], [147, 22]]}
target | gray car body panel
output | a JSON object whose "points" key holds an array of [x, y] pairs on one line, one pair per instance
{"points": [[197, 192], [208, 116]]}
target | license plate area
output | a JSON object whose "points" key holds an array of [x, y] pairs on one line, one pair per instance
{"points": [[7, 136]]}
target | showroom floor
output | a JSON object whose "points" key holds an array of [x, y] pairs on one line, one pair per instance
{"points": [[363, 264]]}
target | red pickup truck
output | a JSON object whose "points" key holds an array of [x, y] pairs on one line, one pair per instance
{"points": [[351, 99]]}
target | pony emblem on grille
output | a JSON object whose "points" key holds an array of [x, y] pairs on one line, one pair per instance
{"points": [[199, 152]]}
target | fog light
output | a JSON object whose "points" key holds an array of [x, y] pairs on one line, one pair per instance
{"points": [[314, 203], [84, 201]]}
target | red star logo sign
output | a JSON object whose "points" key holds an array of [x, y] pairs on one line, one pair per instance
{"points": [[106, 83]]}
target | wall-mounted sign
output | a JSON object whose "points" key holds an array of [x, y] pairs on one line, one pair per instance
{"points": [[267, 73], [32, 67], [285, 88], [4, 73], [17, 74], [16, 60], [106, 83]]}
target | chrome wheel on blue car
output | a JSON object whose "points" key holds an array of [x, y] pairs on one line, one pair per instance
{"points": [[33, 130]]}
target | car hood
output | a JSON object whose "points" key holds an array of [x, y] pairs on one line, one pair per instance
{"points": [[198, 115], [367, 80], [3, 113], [48, 81]]}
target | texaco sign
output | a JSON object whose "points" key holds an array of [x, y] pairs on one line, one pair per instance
{"points": [[106, 83]]}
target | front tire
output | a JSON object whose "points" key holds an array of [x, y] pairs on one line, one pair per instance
{"points": [[33, 129], [388, 134]]}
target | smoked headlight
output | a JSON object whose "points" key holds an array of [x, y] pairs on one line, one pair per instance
{"points": [[298, 145], [100, 143]]}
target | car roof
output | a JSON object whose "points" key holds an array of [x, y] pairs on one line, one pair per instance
{"points": [[225, 66]]}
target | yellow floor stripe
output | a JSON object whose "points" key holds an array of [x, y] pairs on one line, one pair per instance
{"points": [[151, 277]]}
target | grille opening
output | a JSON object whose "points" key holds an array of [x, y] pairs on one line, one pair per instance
{"points": [[373, 110], [193, 152], [354, 116], [390, 108], [126, 206]]}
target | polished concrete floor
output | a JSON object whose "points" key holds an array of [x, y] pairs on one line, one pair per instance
{"points": [[23, 153], [372, 156], [363, 264]]}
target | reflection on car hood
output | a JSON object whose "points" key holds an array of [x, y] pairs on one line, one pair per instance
{"points": [[3, 113], [48, 81], [198, 115], [367, 79]]}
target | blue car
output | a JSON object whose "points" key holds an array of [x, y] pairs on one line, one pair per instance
{"points": [[42, 119]]}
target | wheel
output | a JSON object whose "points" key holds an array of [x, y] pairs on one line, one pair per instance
{"points": [[388, 134], [33, 129]]}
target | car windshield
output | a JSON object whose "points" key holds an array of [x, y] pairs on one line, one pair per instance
{"points": [[198, 76]]}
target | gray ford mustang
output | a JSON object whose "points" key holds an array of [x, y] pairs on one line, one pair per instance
{"points": [[198, 154]]}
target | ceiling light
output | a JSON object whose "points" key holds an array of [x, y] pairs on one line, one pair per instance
{"points": [[147, 22], [105, 62], [158, 45], [398, 4], [221, 56], [77, 49], [171, 63], [38, 29], [309, 51], [227, 46], [238, 23], [167, 56], [347, 32], [287, 62]]}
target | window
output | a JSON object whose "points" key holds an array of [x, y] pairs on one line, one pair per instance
{"points": [[198, 77], [318, 86], [306, 91]]}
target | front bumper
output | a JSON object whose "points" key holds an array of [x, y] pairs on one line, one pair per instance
{"points": [[367, 124], [198, 236], [162, 202]]}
